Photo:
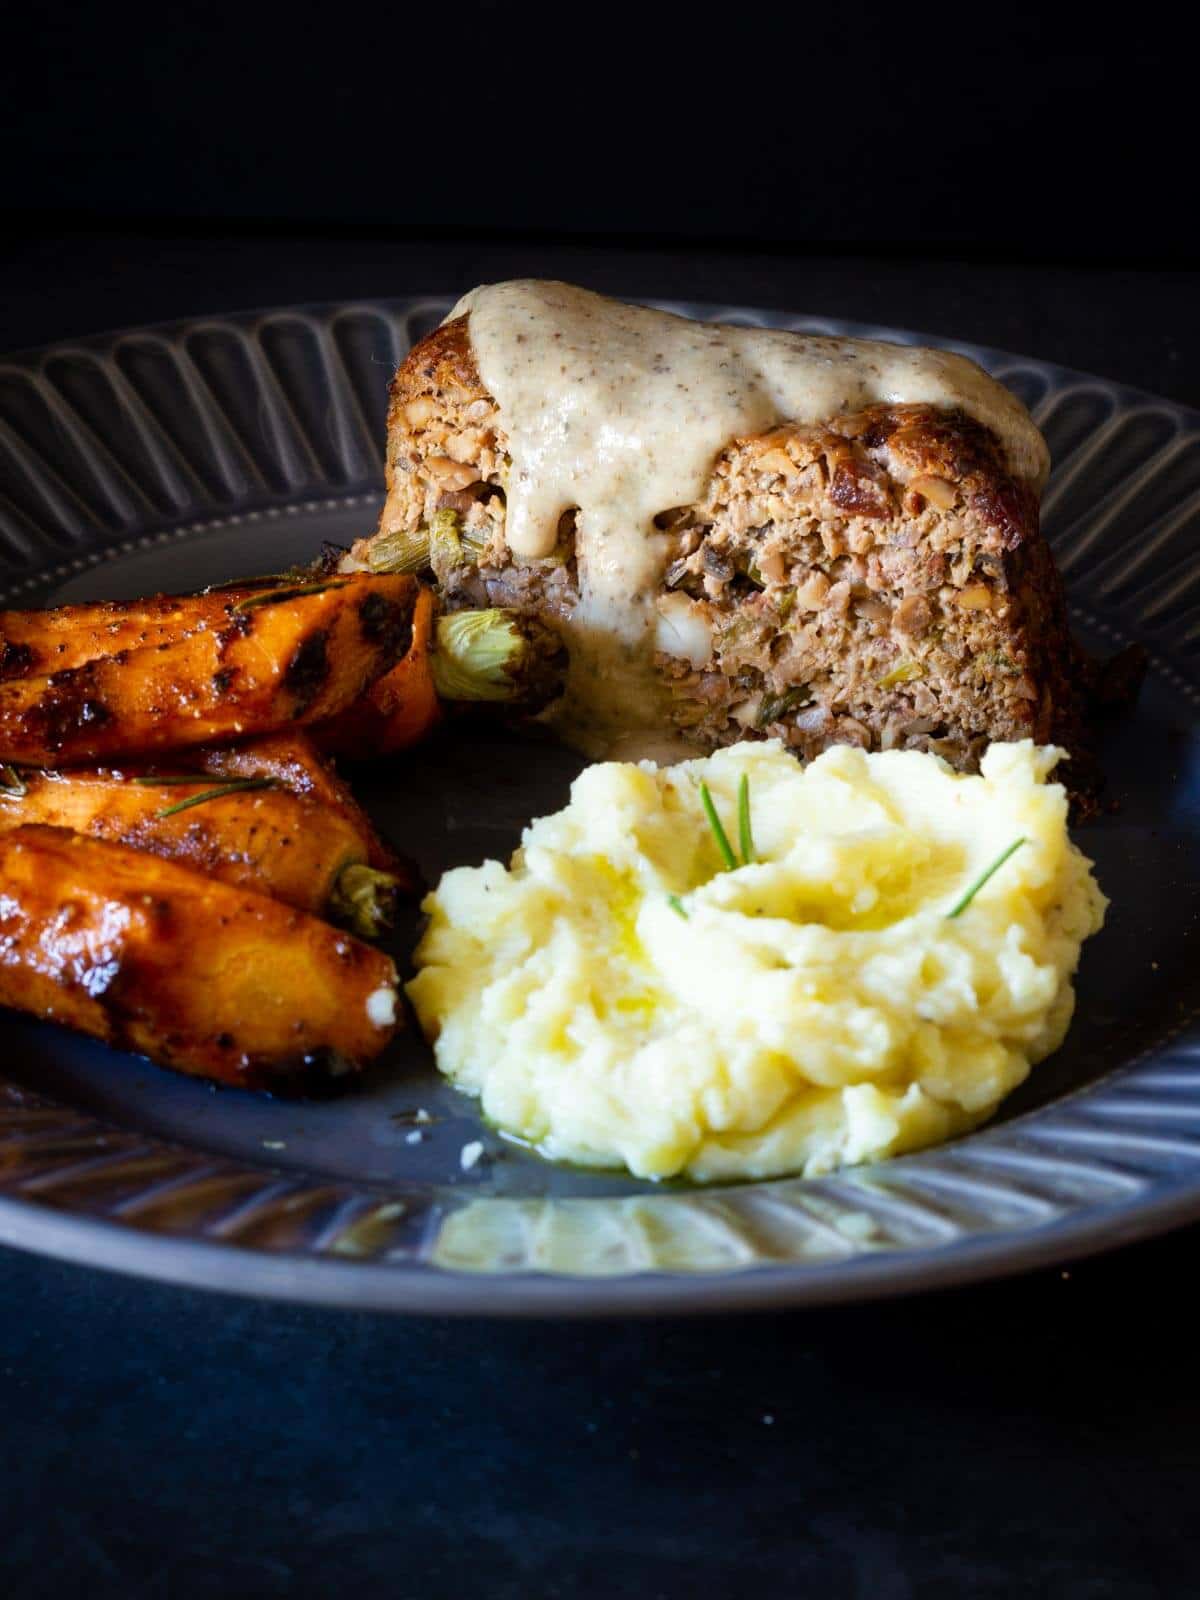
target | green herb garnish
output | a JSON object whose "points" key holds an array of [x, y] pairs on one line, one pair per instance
{"points": [[745, 837], [275, 597], [233, 786], [151, 780], [11, 781], [719, 834], [983, 877], [260, 580]]}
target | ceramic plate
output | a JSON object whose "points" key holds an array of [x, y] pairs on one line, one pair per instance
{"points": [[166, 457]]}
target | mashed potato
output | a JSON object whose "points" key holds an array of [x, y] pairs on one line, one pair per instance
{"points": [[617, 995]]}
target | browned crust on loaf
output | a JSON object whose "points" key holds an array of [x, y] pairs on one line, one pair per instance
{"points": [[444, 359]]}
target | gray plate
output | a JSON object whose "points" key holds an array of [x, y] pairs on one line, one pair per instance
{"points": [[166, 457]]}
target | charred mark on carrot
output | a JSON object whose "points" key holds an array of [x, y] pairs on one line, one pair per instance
{"points": [[386, 622], [308, 670], [15, 659]]}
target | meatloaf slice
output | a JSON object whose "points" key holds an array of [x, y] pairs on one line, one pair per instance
{"points": [[878, 580]]}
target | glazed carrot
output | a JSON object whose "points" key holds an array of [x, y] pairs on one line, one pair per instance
{"points": [[293, 760], [38, 642], [280, 658], [399, 709], [150, 956], [245, 831]]}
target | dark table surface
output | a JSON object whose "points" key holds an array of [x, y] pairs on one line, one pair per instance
{"points": [[1033, 1437]]}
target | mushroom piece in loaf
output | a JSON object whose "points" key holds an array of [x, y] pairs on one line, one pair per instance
{"points": [[878, 579]]}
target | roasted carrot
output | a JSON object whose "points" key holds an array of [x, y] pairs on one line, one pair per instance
{"points": [[279, 658], [244, 831], [293, 760], [212, 980], [398, 709], [38, 642]]}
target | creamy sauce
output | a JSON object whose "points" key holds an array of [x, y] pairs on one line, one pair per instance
{"points": [[621, 411]]}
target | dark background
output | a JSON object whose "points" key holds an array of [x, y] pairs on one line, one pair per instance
{"points": [[1042, 133], [1022, 180]]}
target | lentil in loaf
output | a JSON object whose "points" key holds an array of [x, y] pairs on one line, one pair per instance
{"points": [[878, 580]]}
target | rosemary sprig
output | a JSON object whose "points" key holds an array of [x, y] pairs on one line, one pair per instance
{"points": [[745, 837], [151, 780], [719, 834], [218, 792], [274, 597], [983, 877], [11, 781], [259, 580]]}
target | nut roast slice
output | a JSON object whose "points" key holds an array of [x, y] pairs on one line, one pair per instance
{"points": [[879, 580]]}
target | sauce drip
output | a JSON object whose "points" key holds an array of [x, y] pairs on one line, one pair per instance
{"points": [[619, 412]]}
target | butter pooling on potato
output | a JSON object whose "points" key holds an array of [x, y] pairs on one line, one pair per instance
{"points": [[618, 996]]}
